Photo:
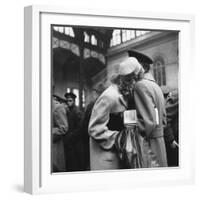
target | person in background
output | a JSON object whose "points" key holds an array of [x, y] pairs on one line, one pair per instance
{"points": [[96, 92], [106, 120], [171, 130], [72, 140], [59, 130], [150, 107], [59, 100]]}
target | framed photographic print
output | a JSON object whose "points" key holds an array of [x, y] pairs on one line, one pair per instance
{"points": [[105, 99]]}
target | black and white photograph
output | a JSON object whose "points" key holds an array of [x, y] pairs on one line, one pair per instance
{"points": [[109, 101], [114, 98], [100, 100]]}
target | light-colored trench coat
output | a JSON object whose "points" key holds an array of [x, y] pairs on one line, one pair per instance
{"points": [[102, 154], [59, 129], [148, 96]]}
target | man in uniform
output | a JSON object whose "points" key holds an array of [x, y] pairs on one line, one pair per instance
{"points": [[150, 107], [73, 143], [171, 130]]}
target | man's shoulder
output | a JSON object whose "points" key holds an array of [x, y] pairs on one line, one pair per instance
{"points": [[142, 84], [147, 81], [60, 107]]}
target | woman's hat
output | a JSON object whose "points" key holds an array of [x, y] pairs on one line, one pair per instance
{"points": [[130, 65]]}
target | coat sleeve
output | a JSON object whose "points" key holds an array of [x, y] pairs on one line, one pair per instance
{"points": [[60, 121], [145, 110], [98, 129]]}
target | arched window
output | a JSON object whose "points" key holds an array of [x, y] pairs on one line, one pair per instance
{"points": [[159, 71]]}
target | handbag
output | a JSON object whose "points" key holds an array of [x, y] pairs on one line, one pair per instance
{"points": [[128, 142]]}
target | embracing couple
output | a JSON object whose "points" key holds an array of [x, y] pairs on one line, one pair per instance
{"points": [[135, 89]]}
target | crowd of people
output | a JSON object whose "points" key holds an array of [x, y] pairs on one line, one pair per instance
{"points": [[104, 137]]}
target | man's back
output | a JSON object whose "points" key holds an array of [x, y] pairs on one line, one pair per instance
{"points": [[151, 106], [149, 102]]}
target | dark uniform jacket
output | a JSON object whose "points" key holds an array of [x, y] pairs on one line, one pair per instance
{"points": [[171, 130], [73, 142]]}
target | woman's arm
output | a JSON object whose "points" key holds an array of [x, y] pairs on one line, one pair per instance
{"points": [[100, 116]]}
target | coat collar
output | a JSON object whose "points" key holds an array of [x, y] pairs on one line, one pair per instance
{"points": [[121, 98], [148, 76]]}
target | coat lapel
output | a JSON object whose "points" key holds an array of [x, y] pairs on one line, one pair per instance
{"points": [[121, 98]]}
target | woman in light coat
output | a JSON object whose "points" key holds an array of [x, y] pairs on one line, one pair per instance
{"points": [[106, 120]]}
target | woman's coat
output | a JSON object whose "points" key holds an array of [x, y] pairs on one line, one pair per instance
{"points": [[102, 136]]}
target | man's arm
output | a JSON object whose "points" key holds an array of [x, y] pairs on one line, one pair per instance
{"points": [[145, 110], [60, 122]]}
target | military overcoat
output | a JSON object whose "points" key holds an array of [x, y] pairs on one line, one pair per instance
{"points": [[150, 106]]}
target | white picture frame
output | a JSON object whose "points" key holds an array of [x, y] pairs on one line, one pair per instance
{"points": [[37, 167]]}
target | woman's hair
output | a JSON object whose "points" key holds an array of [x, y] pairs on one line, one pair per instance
{"points": [[126, 83], [145, 66]]}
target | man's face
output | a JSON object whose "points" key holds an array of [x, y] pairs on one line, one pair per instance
{"points": [[70, 101], [94, 94]]}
